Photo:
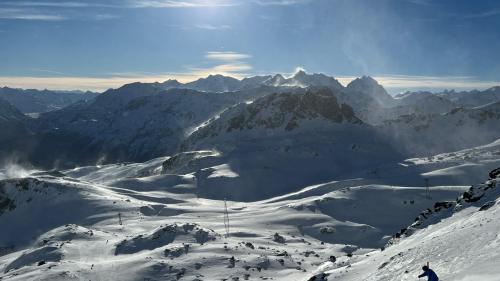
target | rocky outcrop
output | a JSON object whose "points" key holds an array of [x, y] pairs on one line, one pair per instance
{"points": [[482, 195]]}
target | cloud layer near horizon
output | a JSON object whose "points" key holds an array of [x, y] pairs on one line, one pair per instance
{"points": [[393, 83]]}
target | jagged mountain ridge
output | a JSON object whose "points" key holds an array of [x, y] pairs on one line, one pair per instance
{"points": [[473, 98], [137, 121], [265, 141], [281, 112], [13, 131], [220, 83], [8, 113], [91, 124], [457, 129], [35, 101]]}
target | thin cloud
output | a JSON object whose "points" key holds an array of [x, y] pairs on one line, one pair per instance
{"points": [[45, 14], [280, 2], [229, 63], [49, 4], [44, 10], [399, 82], [212, 27], [179, 4], [19, 14], [47, 71], [422, 2], [485, 14], [225, 63], [151, 3], [236, 70], [97, 84], [104, 17], [226, 56]]}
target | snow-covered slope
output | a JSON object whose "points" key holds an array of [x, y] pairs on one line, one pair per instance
{"points": [[458, 238], [272, 181], [281, 112], [419, 103], [434, 133], [369, 99], [473, 98], [135, 122], [146, 220], [368, 90], [264, 142]]}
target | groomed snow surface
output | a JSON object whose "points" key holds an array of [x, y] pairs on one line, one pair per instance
{"points": [[154, 221]]}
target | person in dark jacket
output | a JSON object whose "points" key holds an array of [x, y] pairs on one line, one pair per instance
{"points": [[431, 275]]}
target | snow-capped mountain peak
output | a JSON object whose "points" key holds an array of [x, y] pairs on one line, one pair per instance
{"points": [[316, 79], [370, 88], [283, 112], [215, 83], [276, 80]]}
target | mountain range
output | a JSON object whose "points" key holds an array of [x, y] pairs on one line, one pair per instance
{"points": [[35, 101], [140, 121], [263, 178]]}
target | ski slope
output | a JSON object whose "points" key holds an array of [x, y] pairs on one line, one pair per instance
{"points": [[148, 221]]}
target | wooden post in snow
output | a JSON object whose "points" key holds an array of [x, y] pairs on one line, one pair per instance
{"points": [[226, 218], [427, 189]]}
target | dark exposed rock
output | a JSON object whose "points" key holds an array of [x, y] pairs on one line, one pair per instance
{"points": [[495, 173], [487, 205], [278, 238]]}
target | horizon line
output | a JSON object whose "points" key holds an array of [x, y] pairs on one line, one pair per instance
{"points": [[101, 84]]}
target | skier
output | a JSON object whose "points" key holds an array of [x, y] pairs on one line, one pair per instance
{"points": [[431, 275]]}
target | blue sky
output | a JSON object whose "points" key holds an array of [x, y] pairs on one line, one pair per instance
{"points": [[100, 44]]}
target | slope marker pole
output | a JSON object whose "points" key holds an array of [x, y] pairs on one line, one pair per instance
{"points": [[226, 218], [427, 189]]}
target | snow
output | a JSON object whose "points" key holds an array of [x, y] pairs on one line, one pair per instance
{"points": [[461, 247], [169, 231], [309, 188]]}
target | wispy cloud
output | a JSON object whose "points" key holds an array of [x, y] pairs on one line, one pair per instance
{"points": [[47, 71], [21, 14], [485, 14], [422, 2], [226, 56], [210, 3], [179, 3], [280, 2], [104, 17], [212, 27], [236, 70], [67, 10], [151, 3], [48, 4], [226, 63], [392, 82], [26, 12]]}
